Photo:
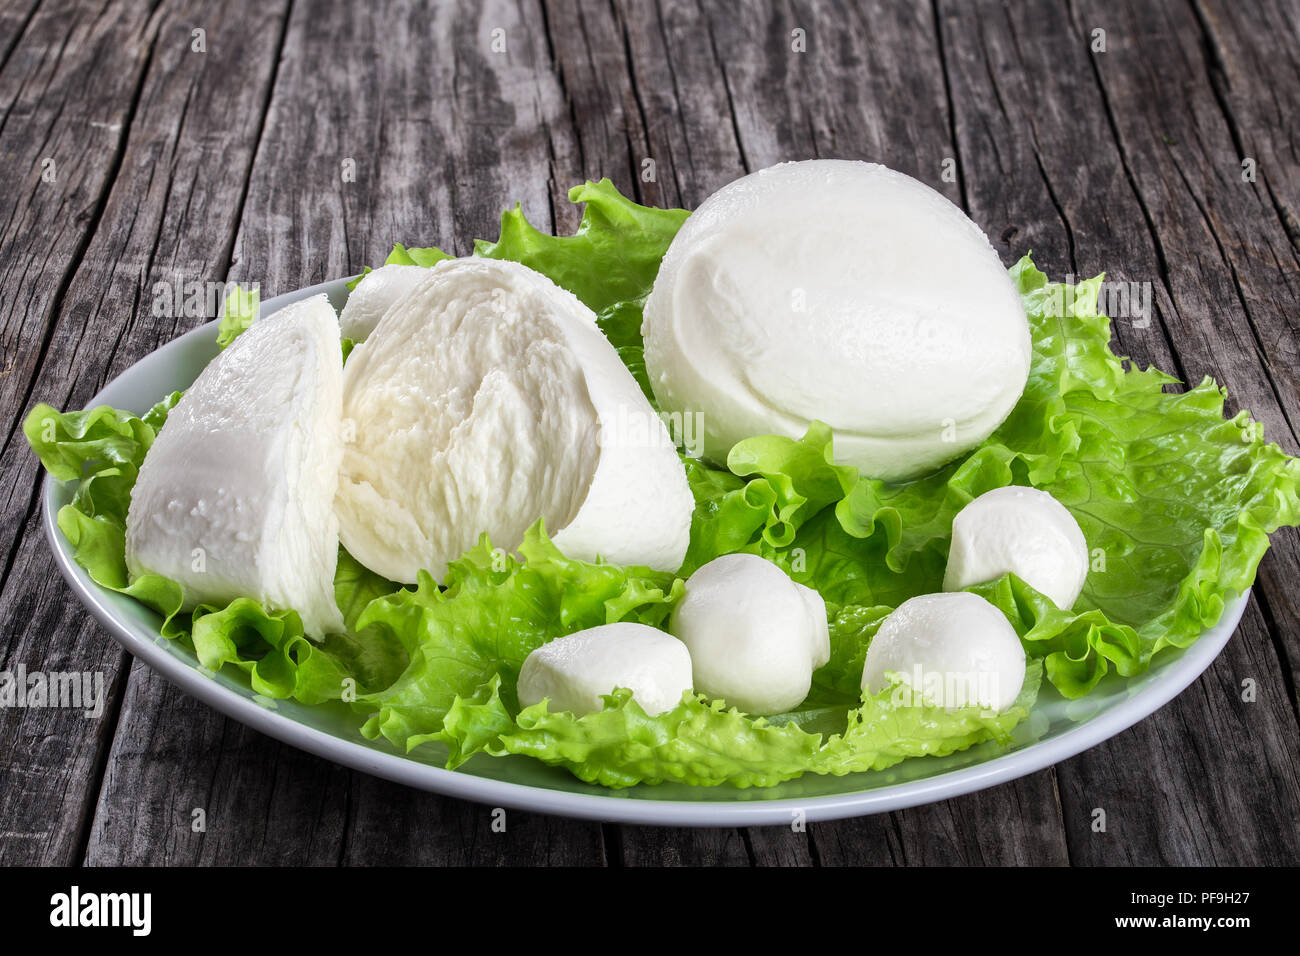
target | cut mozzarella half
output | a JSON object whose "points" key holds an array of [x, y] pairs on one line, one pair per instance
{"points": [[487, 398], [951, 650], [374, 295], [575, 671], [235, 498], [1023, 531], [755, 636]]}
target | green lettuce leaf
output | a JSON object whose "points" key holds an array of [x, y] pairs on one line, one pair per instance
{"points": [[102, 450], [239, 312], [494, 610], [704, 743]]}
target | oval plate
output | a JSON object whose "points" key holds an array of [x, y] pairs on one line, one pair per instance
{"points": [[1057, 728]]}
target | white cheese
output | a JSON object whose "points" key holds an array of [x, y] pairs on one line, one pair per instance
{"points": [[235, 498], [573, 672], [755, 636], [375, 295], [487, 398], [1023, 531], [843, 292], [951, 650]]}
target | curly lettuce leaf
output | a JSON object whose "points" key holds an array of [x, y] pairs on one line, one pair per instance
{"points": [[494, 610], [705, 743], [237, 314], [102, 450]]}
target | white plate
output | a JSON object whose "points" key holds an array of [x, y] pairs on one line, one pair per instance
{"points": [[1057, 728]]}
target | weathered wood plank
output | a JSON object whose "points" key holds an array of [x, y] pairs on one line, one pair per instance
{"points": [[1255, 66], [666, 846], [169, 218], [185, 786], [1025, 104], [68, 88], [1255, 71], [59, 151], [442, 133], [1209, 780], [1232, 272], [683, 101], [1010, 825], [392, 825]]}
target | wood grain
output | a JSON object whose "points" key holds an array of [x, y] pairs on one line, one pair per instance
{"points": [[68, 290]]}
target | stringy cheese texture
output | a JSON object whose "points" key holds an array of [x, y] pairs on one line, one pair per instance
{"points": [[484, 399]]}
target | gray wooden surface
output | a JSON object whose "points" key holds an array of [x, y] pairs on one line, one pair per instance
{"points": [[226, 164]]}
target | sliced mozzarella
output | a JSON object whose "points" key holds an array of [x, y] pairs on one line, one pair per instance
{"points": [[842, 292], [952, 650], [487, 398], [1023, 531], [573, 672], [235, 498], [375, 295], [755, 636]]}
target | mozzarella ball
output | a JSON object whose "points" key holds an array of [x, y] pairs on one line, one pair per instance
{"points": [[375, 295], [1023, 531], [755, 636], [954, 650], [574, 671], [843, 292]]}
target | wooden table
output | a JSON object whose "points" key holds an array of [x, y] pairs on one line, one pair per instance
{"points": [[201, 157]]}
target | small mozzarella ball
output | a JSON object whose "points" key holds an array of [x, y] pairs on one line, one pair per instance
{"points": [[954, 650], [1023, 531], [574, 671], [755, 636]]}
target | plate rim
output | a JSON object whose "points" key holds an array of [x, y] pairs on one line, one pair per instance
{"points": [[1174, 677]]}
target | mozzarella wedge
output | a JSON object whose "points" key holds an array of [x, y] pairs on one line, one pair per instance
{"points": [[572, 672], [235, 498], [755, 636], [487, 398], [1024, 531], [375, 295], [952, 650]]}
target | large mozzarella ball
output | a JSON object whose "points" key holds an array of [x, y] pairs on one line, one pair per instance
{"points": [[1023, 531], [573, 672], [843, 292], [953, 650], [755, 636]]}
